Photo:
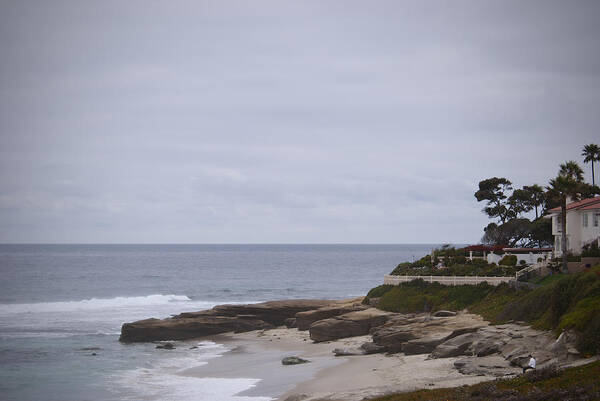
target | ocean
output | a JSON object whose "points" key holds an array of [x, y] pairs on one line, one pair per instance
{"points": [[62, 306]]}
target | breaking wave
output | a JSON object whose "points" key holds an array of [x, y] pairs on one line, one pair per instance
{"points": [[97, 303]]}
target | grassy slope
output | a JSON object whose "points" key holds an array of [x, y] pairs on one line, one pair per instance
{"points": [[569, 302], [579, 383]]}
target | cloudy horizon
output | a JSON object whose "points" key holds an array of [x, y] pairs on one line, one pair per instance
{"points": [[285, 121]]}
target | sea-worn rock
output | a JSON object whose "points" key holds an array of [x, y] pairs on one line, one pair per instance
{"points": [[291, 323], [166, 346], [348, 325], [220, 319], [493, 365], [454, 347], [372, 348], [422, 334], [293, 360], [426, 343], [444, 313], [186, 328], [305, 319]]}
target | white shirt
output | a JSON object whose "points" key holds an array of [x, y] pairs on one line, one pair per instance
{"points": [[532, 362]]}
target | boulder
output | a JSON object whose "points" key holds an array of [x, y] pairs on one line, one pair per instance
{"points": [[398, 330], [487, 346], [348, 325], [305, 319], [372, 348], [293, 360], [291, 323], [425, 344], [453, 347], [492, 365], [422, 334]]}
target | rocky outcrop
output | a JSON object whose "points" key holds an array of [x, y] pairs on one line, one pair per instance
{"points": [[421, 334], [305, 319], [347, 325], [220, 319], [365, 349]]}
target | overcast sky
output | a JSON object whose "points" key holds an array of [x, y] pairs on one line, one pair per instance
{"points": [[284, 122]]}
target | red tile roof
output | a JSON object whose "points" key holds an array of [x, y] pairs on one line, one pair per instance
{"points": [[591, 207], [578, 205]]}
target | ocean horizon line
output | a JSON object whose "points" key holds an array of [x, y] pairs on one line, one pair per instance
{"points": [[234, 243]]}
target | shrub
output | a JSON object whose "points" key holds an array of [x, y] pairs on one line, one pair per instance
{"points": [[419, 296], [377, 292], [508, 260], [544, 373], [591, 251], [570, 301]]}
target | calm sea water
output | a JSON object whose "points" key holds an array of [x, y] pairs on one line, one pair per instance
{"points": [[61, 304]]}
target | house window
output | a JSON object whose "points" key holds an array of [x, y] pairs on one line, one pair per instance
{"points": [[557, 245], [559, 223], [584, 219], [596, 218]]}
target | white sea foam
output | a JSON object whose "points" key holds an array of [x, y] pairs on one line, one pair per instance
{"points": [[96, 316], [162, 379], [95, 303]]}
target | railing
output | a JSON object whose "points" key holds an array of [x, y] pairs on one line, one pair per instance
{"points": [[530, 268], [447, 280]]}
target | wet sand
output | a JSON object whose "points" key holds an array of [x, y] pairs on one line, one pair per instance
{"points": [[258, 355]]}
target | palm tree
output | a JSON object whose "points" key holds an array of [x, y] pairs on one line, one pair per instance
{"points": [[567, 184], [536, 194], [591, 153]]}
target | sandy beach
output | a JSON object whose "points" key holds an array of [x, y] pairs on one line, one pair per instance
{"points": [[258, 354]]}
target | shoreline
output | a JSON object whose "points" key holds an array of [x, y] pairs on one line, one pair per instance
{"points": [[381, 352], [258, 355]]}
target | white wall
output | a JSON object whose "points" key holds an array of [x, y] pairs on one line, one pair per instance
{"points": [[529, 258]]}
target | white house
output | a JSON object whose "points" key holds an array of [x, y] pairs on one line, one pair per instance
{"points": [[583, 225]]}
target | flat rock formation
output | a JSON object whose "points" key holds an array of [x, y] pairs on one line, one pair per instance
{"points": [[482, 349], [220, 319], [305, 319], [421, 334], [351, 324]]}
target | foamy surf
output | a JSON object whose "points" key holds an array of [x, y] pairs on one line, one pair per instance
{"points": [[97, 303], [163, 379]]}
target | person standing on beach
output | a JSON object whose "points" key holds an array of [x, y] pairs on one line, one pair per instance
{"points": [[530, 365]]}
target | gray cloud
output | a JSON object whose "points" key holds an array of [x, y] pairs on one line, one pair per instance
{"points": [[336, 121]]}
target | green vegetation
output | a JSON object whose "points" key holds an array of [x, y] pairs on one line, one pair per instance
{"points": [[455, 263], [578, 383], [565, 302], [508, 260], [419, 296], [548, 279], [508, 207], [591, 251], [591, 154]]}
